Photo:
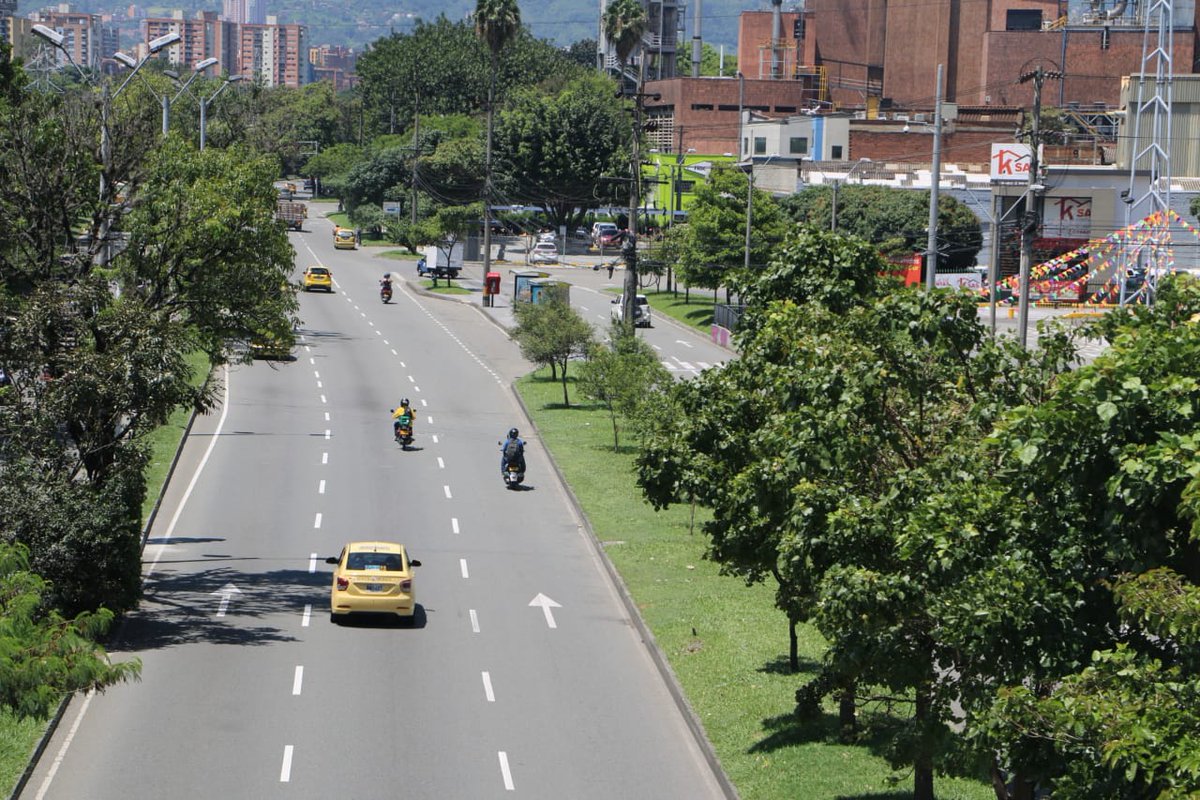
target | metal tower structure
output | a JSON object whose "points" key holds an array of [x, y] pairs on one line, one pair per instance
{"points": [[1151, 150]]}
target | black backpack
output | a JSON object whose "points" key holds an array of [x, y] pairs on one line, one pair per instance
{"points": [[512, 450]]}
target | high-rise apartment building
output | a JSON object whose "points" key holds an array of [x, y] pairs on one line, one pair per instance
{"points": [[253, 12], [202, 36], [274, 55], [84, 36]]}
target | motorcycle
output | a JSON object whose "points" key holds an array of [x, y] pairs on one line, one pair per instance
{"points": [[513, 476], [402, 432], [385, 293]]}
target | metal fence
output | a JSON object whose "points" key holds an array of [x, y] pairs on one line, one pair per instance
{"points": [[727, 316]]}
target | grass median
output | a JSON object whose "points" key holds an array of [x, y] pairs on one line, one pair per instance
{"points": [[726, 641], [19, 737]]}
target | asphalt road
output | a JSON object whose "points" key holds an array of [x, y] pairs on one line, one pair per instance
{"points": [[249, 691]]}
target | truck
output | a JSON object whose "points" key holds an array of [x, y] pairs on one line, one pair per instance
{"points": [[442, 261], [291, 213]]}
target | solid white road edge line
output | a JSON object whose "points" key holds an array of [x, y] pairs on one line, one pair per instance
{"points": [[195, 477], [62, 751]]}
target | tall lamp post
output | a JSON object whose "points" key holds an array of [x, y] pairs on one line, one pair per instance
{"points": [[153, 47], [836, 184], [205, 102]]}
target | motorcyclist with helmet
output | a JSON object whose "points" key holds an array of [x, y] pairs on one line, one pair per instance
{"points": [[512, 449], [402, 414]]}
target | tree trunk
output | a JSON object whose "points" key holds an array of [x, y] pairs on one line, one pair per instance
{"points": [[922, 763], [793, 646], [566, 400], [998, 783], [847, 713]]}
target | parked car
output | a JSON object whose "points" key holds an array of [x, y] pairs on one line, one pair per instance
{"points": [[544, 253], [641, 311], [605, 233]]}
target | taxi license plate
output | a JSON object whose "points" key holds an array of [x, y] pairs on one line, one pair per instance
{"points": [[376, 587]]}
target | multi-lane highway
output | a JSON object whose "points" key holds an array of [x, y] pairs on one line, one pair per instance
{"points": [[523, 675]]}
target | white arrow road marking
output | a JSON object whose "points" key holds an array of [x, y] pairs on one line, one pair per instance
{"points": [[508, 783], [298, 680], [546, 603], [682, 342], [227, 591], [487, 688], [285, 772]]}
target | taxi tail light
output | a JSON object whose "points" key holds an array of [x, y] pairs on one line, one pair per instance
{"points": [[406, 585], [343, 584]]}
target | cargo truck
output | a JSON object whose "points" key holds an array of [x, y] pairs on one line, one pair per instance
{"points": [[291, 213]]}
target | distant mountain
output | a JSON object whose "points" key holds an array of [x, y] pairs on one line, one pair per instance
{"points": [[358, 22]]}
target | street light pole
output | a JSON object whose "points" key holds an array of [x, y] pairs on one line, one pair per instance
{"points": [[205, 102]]}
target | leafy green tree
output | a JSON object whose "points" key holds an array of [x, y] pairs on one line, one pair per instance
{"points": [[384, 176], [711, 65], [713, 245], [449, 226], [496, 25], [623, 376], [895, 220], [552, 333], [554, 150], [43, 655], [583, 53], [104, 296], [338, 159]]}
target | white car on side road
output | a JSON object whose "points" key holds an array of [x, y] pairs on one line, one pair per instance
{"points": [[544, 253], [641, 311]]}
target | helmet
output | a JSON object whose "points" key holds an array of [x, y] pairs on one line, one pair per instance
{"points": [[512, 433], [404, 402]]}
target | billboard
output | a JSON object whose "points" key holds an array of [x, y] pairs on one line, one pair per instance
{"points": [[1067, 217], [1010, 162]]}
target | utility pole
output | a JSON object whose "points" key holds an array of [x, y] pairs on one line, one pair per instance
{"points": [[1033, 198], [416, 155], [629, 247], [935, 181]]}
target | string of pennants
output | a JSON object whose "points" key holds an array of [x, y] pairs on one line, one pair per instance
{"points": [[1069, 273]]}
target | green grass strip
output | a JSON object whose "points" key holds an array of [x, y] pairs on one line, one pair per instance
{"points": [[726, 642]]}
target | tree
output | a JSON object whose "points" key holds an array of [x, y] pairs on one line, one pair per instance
{"points": [[103, 298], [496, 24], [813, 450], [337, 159], [895, 220], [583, 53], [552, 333], [713, 242], [623, 376], [42, 654], [555, 150]]}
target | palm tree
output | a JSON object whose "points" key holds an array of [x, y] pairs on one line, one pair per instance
{"points": [[624, 22], [496, 24]]}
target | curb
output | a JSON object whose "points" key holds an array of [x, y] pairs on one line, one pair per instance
{"points": [[656, 654], [52, 727]]}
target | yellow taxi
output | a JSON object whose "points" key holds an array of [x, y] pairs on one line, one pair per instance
{"points": [[318, 278], [372, 578], [344, 239]]}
